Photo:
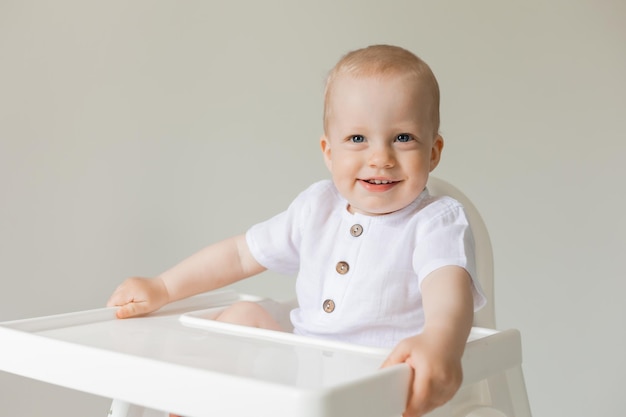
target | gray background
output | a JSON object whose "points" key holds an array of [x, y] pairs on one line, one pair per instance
{"points": [[133, 133]]}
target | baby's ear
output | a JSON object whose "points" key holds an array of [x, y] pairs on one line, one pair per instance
{"points": [[435, 152], [325, 144]]}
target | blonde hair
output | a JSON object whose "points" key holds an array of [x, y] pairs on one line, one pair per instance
{"points": [[384, 60]]}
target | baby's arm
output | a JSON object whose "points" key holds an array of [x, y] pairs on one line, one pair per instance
{"points": [[435, 354], [213, 267]]}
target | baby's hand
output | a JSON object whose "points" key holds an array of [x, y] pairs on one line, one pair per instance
{"points": [[137, 296], [437, 374]]}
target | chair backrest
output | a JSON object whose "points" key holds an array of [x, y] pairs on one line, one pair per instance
{"points": [[484, 254]]}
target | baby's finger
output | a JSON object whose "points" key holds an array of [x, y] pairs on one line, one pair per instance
{"points": [[118, 298], [397, 355], [418, 403], [131, 309], [131, 290], [427, 394]]}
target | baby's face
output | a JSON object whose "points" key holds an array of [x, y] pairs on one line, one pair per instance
{"points": [[379, 144]]}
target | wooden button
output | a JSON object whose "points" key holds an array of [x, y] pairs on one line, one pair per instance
{"points": [[342, 267], [356, 230], [329, 306]]}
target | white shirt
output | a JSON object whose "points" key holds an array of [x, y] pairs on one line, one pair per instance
{"points": [[373, 297]]}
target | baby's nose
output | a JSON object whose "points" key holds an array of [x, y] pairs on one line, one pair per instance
{"points": [[381, 157]]}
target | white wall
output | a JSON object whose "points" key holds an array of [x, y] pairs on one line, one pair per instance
{"points": [[134, 133]]}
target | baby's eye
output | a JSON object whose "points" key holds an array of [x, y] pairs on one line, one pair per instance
{"points": [[404, 137], [357, 139]]}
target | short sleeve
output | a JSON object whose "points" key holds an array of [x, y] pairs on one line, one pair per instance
{"points": [[275, 243], [446, 239]]}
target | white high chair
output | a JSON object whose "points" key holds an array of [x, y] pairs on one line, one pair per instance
{"points": [[180, 360]]}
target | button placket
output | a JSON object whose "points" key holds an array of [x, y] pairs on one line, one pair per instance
{"points": [[343, 267]]}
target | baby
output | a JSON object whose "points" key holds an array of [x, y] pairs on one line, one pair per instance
{"points": [[378, 260]]}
